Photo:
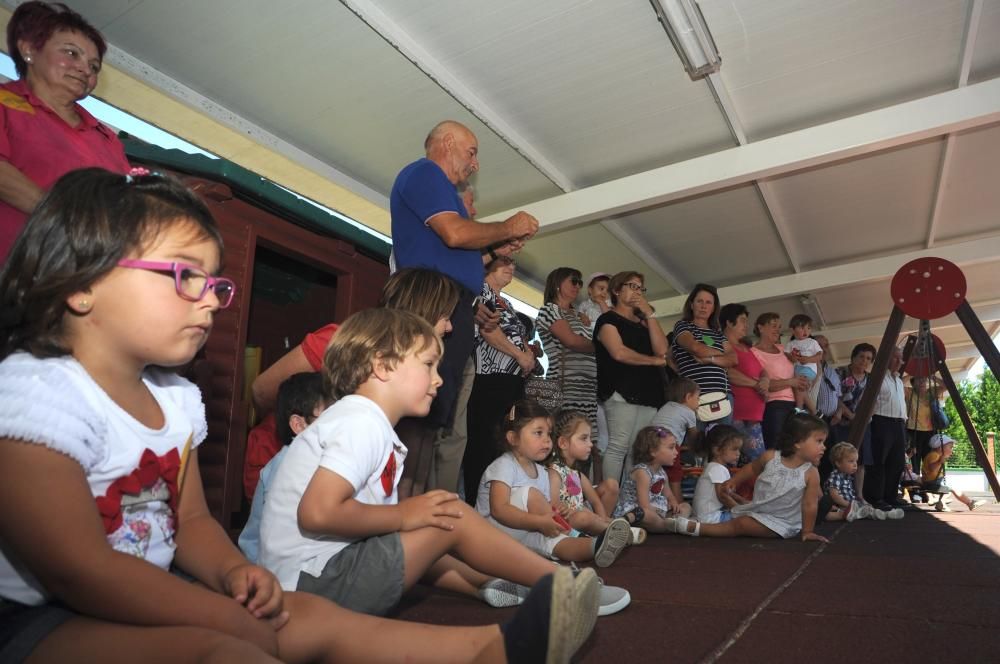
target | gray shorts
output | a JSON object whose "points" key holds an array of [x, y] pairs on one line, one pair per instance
{"points": [[23, 627], [366, 577]]}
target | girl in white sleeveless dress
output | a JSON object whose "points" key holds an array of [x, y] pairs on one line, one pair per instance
{"points": [[787, 491]]}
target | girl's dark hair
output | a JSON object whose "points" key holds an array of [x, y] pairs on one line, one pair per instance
{"points": [[36, 22], [555, 278], [518, 417], [798, 427], [713, 319], [84, 225], [718, 437], [646, 443], [299, 394]]}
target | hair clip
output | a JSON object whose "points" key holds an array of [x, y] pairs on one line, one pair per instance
{"points": [[661, 432], [511, 415], [136, 171]]}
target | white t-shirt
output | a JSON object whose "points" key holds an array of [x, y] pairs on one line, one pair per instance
{"points": [[806, 347], [54, 402], [352, 438], [706, 506], [675, 418], [506, 469]]}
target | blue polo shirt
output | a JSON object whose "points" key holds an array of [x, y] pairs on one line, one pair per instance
{"points": [[422, 190]]}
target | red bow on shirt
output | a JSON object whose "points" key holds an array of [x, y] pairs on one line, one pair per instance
{"points": [[389, 474], [151, 467], [657, 487]]}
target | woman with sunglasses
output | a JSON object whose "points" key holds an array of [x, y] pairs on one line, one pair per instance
{"points": [[631, 352], [568, 344], [503, 359]]}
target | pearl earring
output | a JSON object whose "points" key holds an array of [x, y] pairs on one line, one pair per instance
{"points": [[27, 59]]}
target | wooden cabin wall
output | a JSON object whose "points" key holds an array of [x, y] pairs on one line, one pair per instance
{"points": [[218, 369]]}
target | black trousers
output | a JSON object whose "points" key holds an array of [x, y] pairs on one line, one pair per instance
{"points": [[775, 414], [920, 442], [888, 459], [491, 399]]}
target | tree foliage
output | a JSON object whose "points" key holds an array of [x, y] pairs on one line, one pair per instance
{"points": [[982, 399]]}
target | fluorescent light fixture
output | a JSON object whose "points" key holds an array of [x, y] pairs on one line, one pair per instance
{"points": [[810, 306], [688, 32]]}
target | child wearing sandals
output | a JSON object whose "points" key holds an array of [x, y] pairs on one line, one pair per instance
{"points": [[940, 448], [786, 494], [644, 495], [712, 503], [515, 496], [840, 501], [112, 279], [585, 506]]}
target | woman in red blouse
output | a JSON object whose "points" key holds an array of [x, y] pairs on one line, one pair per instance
{"points": [[44, 132]]}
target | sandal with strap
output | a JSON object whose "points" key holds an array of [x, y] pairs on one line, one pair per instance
{"points": [[681, 526], [637, 514]]}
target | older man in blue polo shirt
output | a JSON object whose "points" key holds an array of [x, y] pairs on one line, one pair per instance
{"points": [[431, 228]]}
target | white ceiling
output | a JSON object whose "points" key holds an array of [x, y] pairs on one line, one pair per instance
{"points": [[573, 95]]}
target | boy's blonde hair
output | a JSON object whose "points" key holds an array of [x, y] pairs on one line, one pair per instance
{"points": [[387, 335], [841, 451]]}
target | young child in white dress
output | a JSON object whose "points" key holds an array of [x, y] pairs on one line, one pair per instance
{"points": [[786, 494], [712, 503]]}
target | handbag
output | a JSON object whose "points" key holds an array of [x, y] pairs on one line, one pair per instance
{"points": [[546, 392], [713, 406]]}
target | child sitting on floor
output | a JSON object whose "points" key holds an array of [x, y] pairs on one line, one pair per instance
{"points": [[786, 494], [840, 502], [332, 525], [932, 473], [585, 506], [712, 503], [113, 280], [300, 401], [643, 498], [679, 416]]}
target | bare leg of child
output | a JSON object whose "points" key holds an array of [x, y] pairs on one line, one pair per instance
{"points": [[859, 483], [654, 523], [800, 398], [836, 514], [477, 543], [319, 631], [741, 526], [587, 522], [608, 492]]}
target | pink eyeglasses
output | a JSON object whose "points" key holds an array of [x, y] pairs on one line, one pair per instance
{"points": [[190, 281]]}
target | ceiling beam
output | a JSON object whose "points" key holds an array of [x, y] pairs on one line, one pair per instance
{"points": [[663, 270], [767, 196], [383, 25], [986, 311], [963, 253], [954, 110], [968, 49]]}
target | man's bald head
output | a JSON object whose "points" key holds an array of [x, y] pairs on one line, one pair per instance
{"points": [[442, 129], [453, 147]]}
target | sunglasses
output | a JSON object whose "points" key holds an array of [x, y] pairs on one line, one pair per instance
{"points": [[576, 281]]}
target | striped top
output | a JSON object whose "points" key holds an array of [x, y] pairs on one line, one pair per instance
{"points": [[709, 377], [579, 370]]}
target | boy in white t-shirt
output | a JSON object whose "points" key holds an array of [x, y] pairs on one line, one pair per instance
{"points": [[805, 353], [332, 523]]}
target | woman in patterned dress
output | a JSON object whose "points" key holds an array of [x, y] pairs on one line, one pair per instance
{"points": [[502, 358]]}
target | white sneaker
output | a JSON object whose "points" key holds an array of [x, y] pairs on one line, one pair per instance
{"points": [[612, 542], [499, 593], [895, 513], [880, 514]]}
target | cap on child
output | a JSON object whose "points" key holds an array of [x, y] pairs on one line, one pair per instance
{"points": [[939, 439]]}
